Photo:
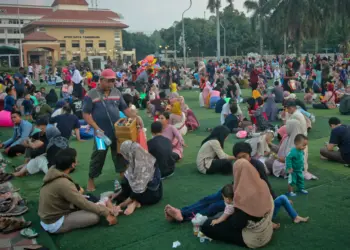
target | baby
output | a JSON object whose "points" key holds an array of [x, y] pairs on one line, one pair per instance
{"points": [[227, 194]]}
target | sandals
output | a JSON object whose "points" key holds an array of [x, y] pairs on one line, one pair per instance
{"points": [[16, 225], [4, 177], [6, 189], [12, 207], [29, 233]]}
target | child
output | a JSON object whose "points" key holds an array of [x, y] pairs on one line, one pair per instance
{"points": [[9, 101], [232, 121], [261, 119], [295, 165], [27, 107], [43, 92], [220, 103], [173, 87], [227, 194]]}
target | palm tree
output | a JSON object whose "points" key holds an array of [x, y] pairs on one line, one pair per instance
{"points": [[260, 9], [340, 11], [214, 7], [300, 18]]}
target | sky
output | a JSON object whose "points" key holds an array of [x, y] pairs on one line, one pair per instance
{"points": [[147, 15]]}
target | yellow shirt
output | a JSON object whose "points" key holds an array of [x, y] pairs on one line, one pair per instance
{"points": [[173, 87]]}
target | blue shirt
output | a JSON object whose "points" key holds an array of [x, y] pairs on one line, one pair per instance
{"points": [[19, 86], [21, 132], [340, 136], [9, 102], [28, 106], [94, 106], [219, 105], [66, 123]]}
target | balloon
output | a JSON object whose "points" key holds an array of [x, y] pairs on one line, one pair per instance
{"points": [[149, 58]]}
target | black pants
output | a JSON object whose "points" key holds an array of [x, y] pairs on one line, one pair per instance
{"points": [[18, 149], [146, 198], [222, 166], [320, 106], [78, 90]]}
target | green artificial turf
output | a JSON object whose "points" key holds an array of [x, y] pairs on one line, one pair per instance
{"points": [[327, 203]]}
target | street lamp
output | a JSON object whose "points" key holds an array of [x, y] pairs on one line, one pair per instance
{"points": [[20, 37], [174, 26], [183, 34], [224, 38]]}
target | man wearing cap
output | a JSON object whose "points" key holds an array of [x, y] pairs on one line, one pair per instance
{"points": [[101, 111], [325, 74]]}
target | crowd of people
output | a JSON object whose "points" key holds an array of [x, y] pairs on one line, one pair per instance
{"points": [[242, 213]]}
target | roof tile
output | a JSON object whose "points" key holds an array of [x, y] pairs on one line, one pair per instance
{"points": [[39, 36], [70, 2]]}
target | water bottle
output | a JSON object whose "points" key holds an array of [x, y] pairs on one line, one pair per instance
{"points": [[105, 138]]}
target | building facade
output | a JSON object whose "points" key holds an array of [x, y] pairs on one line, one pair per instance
{"points": [[68, 30]]}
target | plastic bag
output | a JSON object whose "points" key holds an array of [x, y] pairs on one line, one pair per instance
{"points": [[141, 139]]}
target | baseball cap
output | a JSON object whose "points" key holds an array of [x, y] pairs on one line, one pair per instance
{"points": [[291, 104], [108, 74]]}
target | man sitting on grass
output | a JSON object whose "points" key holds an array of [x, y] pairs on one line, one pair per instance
{"points": [[62, 208]]}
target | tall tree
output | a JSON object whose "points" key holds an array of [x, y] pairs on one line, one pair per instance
{"points": [[214, 7], [260, 10]]}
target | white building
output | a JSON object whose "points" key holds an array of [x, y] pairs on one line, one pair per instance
{"points": [[12, 19]]}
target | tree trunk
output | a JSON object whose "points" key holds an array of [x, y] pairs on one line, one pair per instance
{"points": [[261, 37], [285, 43], [316, 45], [218, 53]]}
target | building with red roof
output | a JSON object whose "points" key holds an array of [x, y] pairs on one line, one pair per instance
{"points": [[67, 29]]}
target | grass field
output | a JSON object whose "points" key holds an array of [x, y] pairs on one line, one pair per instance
{"points": [[327, 203]]}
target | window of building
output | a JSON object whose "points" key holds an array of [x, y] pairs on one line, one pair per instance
{"points": [[75, 44], [89, 44], [102, 44], [13, 41], [2, 31], [13, 31], [62, 44], [117, 34], [2, 41], [21, 21], [13, 21], [118, 44], [76, 58], [41, 29]]}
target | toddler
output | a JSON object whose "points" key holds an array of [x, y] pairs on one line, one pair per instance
{"points": [[27, 107], [227, 194], [295, 165]]}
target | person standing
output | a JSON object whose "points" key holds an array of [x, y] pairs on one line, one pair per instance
{"points": [[19, 82], [101, 111], [30, 71], [325, 74], [77, 83]]}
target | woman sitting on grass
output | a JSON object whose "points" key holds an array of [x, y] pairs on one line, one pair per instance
{"points": [[250, 225], [170, 132], [178, 118], [142, 183], [211, 158]]}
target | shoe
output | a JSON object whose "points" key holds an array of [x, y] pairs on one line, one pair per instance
{"points": [[291, 194], [303, 191]]}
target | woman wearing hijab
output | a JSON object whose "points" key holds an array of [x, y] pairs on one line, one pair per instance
{"points": [[170, 132], [51, 98], [56, 143], [142, 183], [211, 157], [77, 81], [43, 109], [251, 223], [178, 118], [328, 101]]}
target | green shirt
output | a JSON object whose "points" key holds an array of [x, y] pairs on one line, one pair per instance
{"points": [[295, 160]]}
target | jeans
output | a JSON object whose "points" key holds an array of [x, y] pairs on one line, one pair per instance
{"points": [[209, 206], [282, 201]]}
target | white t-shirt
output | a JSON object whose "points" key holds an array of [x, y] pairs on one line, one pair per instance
{"points": [[30, 69], [225, 111]]}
